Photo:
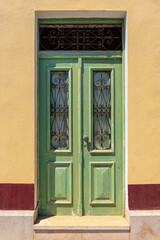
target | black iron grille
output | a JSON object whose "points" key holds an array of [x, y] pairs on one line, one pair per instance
{"points": [[82, 37]]}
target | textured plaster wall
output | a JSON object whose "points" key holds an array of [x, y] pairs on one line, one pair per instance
{"points": [[17, 134]]}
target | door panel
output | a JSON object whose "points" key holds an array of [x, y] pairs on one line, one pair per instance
{"points": [[80, 137], [102, 121], [58, 116]]}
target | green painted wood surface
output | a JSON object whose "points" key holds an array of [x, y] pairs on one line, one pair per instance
{"points": [[91, 180], [47, 156], [114, 205], [81, 21]]}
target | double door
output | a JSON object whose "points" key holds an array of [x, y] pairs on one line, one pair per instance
{"points": [[80, 136]]}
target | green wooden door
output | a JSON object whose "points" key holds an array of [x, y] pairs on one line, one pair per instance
{"points": [[102, 122], [80, 136]]}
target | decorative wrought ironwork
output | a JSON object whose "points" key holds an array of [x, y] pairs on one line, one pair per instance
{"points": [[59, 110], [102, 110], [80, 37]]}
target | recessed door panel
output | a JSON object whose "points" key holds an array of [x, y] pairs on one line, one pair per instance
{"points": [[102, 183]]}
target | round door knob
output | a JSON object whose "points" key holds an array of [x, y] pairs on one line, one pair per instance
{"points": [[85, 137]]}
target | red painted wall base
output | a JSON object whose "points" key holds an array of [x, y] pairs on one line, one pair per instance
{"points": [[144, 197], [16, 196], [21, 196]]}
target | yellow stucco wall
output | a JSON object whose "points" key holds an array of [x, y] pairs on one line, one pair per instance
{"points": [[17, 77]]}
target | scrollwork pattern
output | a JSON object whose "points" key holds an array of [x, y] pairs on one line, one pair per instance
{"points": [[59, 110], [80, 37], [102, 110]]}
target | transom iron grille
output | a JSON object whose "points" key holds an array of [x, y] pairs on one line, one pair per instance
{"points": [[82, 37]]}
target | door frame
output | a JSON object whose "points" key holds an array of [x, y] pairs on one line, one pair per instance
{"points": [[109, 54]]}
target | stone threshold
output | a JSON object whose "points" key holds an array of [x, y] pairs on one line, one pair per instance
{"points": [[84, 223]]}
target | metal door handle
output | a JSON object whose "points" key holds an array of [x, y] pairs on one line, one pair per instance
{"points": [[85, 137]]}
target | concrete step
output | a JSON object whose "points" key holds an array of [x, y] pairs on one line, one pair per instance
{"points": [[81, 228]]}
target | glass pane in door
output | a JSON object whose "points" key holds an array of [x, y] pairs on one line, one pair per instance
{"points": [[59, 110], [101, 110]]}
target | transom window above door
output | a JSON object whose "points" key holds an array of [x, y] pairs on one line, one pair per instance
{"points": [[83, 37]]}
